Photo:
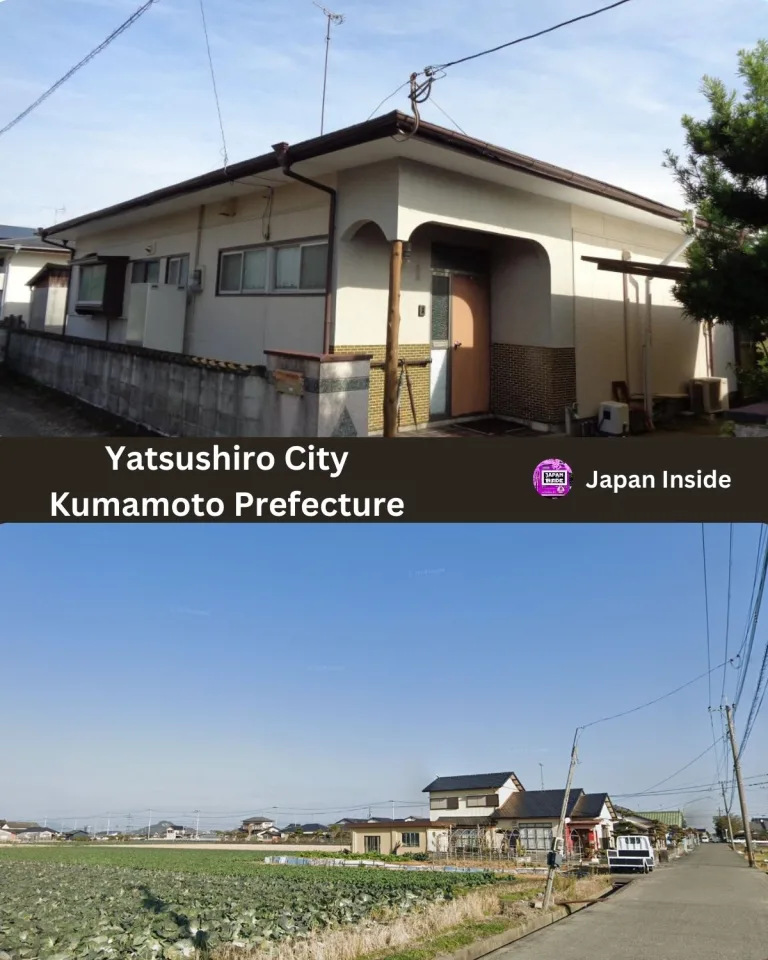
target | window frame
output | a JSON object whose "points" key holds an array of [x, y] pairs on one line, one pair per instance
{"points": [[372, 843], [410, 833], [145, 263], [270, 286], [180, 258], [79, 301], [477, 801]]}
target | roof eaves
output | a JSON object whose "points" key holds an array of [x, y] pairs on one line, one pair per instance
{"points": [[376, 129], [379, 128]]}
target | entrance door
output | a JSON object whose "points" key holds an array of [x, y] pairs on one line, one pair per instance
{"points": [[470, 346]]}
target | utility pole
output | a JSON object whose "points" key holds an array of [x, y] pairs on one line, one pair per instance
{"points": [[728, 814], [393, 808], [557, 839], [334, 19], [149, 825], [740, 785], [197, 825], [541, 769]]}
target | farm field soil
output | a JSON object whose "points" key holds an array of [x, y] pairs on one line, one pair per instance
{"points": [[73, 903]]}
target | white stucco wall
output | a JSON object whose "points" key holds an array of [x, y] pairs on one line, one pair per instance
{"points": [[678, 344], [224, 327], [20, 268]]}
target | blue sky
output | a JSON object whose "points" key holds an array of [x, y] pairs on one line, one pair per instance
{"points": [[603, 97], [306, 671]]}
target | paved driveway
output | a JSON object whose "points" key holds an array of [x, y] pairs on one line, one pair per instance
{"points": [[706, 906]]}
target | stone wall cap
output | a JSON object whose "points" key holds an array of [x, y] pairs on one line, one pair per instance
{"points": [[320, 357]]}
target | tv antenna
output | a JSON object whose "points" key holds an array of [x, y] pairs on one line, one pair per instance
{"points": [[334, 19]]}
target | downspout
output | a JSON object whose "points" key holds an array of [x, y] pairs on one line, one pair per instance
{"points": [[648, 336], [626, 255], [281, 152], [192, 297]]}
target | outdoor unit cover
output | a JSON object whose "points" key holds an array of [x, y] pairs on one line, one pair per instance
{"points": [[709, 394], [613, 418]]}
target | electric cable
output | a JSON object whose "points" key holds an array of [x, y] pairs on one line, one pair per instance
{"points": [[113, 36]]}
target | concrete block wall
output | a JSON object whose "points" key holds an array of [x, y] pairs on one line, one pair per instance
{"points": [[186, 396]]}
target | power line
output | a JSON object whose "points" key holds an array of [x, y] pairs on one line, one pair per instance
{"points": [[650, 703], [672, 776], [754, 614], [113, 36], [212, 69], [530, 36]]}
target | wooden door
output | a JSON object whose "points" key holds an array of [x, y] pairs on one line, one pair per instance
{"points": [[471, 346]]}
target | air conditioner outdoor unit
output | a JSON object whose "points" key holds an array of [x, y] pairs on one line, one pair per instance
{"points": [[613, 418], [709, 394]]}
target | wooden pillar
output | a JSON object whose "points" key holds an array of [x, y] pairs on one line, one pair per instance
{"points": [[393, 339]]}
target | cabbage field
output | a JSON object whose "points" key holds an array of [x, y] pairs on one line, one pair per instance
{"points": [[153, 907]]}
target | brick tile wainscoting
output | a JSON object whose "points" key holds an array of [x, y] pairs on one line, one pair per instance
{"points": [[532, 383], [419, 381]]}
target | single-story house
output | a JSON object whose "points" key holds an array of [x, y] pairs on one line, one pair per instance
{"points": [[7, 836], [671, 818], [16, 826], [504, 268], [401, 837], [304, 828], [77, 835], [35, 834], [23, 255]]}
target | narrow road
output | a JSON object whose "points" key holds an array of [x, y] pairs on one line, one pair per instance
{"points": [[708, 905], [30, 411]]}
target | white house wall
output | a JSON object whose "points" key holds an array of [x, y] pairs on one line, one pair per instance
{"points": [[431, 195], [678, 347], [235, 328]]}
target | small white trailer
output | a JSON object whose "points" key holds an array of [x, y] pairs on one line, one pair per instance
{"points": [[632, 855]]}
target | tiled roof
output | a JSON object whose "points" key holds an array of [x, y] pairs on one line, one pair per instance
{"points": [[672, 818], [538, 803], [471, 781], [590, 805]]}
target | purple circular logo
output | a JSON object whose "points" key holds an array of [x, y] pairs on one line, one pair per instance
{"points": [[553, 479]]}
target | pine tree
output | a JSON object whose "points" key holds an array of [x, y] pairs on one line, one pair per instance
{"points": [[724, 177]]}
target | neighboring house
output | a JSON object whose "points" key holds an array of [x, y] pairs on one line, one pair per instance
{"points": [[532, 816], [257, 825], [175, 832], [305, 828], [36, 834], [6, 836], [670, 818], [510, 303], [347, 821], [401, 837], [48, 303], [470, 796], [495, 809], [77, 835], [22, 257], [17, 826]]}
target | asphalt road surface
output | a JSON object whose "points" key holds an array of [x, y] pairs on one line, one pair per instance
{"points": [[708, 905], [29, 411]]}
